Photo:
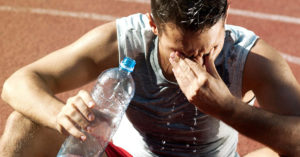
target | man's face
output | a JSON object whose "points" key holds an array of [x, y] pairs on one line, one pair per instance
{"points": [[192, 44]]}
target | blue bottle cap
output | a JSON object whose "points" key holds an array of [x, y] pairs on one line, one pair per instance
{"points": [[127, 64]]}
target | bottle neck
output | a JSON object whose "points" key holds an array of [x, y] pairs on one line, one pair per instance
{"points": [[124, 71]]}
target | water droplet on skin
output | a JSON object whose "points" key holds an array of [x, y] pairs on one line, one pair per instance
{"points": [[163, 142], [173, 108], [187, 145]]}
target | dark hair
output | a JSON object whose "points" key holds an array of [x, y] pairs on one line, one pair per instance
{"points": [[189, 15]]}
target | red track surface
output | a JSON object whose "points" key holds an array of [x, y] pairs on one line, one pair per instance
{"points": [[25, 37]]}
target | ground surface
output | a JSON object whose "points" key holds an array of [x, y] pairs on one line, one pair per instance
{"points": [[33, 28]]}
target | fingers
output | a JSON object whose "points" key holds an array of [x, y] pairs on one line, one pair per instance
{"points": [[76, 114], [181, 69], [73, 112], [195, 66], [88, 103], [210, 65], [205, 64], [67, 127], [186, 66]]}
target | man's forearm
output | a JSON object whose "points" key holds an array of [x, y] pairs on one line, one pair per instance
{"points": [[281, 133], [29, 95]]}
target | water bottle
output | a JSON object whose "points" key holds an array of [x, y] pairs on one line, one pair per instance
{"points": [[112, 93]]}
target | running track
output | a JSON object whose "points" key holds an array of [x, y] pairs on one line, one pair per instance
{"points": [[33, 28]]}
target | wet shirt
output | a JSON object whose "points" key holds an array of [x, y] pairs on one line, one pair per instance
{"points": [[165, 121]]}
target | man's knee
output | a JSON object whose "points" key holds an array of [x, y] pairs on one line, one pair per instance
{"points": [[23, 137], [18, 128], [17, 124], [263, 152]]}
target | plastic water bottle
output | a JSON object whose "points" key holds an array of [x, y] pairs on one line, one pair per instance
{"points": [[112, 93]]}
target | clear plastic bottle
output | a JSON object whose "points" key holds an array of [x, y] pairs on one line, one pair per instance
{"points": [[112, 93]]}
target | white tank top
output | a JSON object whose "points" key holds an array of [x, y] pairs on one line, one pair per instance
{"points": [[161, 122]]}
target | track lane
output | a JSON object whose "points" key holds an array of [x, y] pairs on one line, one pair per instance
{"points": [[286, 7], [263, 28], [24, 36]]}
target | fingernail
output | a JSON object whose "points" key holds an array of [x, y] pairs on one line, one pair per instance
{"points": [[91, 104], [91, 117], [89, 129], [83, 138], [172, 55]]}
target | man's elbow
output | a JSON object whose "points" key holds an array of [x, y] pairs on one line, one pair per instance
{"points": [[294, 145], [12, 85], [7, 90]]}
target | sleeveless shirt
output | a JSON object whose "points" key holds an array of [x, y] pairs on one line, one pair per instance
{"points": [[159, 120]]}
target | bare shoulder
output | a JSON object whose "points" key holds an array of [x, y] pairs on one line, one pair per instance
{"points": [[99, 44], [262, 62], [80, 62], [269, 76]]}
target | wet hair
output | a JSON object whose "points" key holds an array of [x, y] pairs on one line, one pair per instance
{"points": [[189, 15]]}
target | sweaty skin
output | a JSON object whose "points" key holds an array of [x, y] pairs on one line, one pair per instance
{"points": [[31, 90], [266, 73]]}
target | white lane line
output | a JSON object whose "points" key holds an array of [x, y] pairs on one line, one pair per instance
{"points": [[265, 16], [83, 15], [245, 13], [95, 16], [137, 1], [290, 58]]}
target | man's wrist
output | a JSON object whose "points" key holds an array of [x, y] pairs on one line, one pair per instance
{"points": [[53, 115], [229, 108]]}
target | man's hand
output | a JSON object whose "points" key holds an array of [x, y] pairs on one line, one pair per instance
{"points": [[201, 83], [77, 113]]}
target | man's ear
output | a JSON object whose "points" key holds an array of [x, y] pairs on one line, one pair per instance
{"points": [[225, 20], [152, 24]]}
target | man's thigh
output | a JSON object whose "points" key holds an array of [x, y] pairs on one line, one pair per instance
{"points": [[263, 152], [22, 137]]}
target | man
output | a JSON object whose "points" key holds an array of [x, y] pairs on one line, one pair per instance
{"points": [[191, 74]]}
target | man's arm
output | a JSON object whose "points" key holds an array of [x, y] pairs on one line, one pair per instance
{"points": [[277, 125], [31, 90]]}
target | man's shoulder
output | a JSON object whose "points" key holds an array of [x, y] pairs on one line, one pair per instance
{"points": [[134, 35], [136, 22], [241, 36]]}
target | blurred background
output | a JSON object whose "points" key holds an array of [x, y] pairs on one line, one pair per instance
{"points": [[31, 29]]}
